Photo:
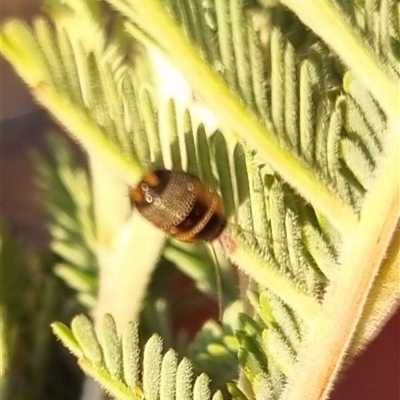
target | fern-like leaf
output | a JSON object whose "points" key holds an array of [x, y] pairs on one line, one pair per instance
{"points": [[298, 155], [66, 195], [116, 365]]}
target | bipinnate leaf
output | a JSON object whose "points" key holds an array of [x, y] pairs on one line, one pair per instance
{"points": [[302, 151]]}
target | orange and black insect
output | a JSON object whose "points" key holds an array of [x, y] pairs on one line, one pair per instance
{"points": [[180, 204]]}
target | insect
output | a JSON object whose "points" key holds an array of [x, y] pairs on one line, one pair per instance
{"points": [[183, 207], [180, 204]]}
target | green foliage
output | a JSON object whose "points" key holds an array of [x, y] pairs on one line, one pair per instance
{"points": [[296, 142], [30, 301], [115, 363], [64, 192], [214, 349]]}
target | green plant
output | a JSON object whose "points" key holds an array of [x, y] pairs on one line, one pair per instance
{"points": [[302, 144]]}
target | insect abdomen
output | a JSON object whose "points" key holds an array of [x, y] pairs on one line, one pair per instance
{"points": [[180, 204]]}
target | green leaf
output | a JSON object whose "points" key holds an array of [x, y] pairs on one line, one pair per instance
{"points": [[66, 335], [303, 151], [65, 193], [162, 376], [152, 368], [111, 347], [131, 355], [85, 335], [184, 377], [169, 369]]}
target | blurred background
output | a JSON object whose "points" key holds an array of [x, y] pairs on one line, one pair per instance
{"points": [[374, 375]]}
